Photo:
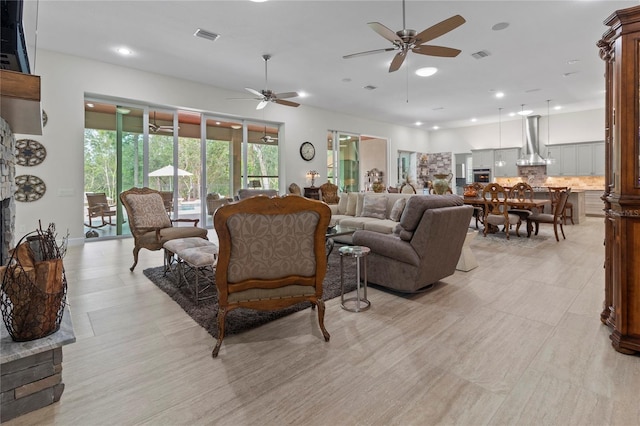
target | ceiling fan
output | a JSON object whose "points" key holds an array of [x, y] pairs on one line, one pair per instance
{"points": [[154, 128], [268, 138], [266, 95], [407, 40]]}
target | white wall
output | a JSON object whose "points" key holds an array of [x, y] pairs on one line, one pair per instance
{"points": [[65, 81]]}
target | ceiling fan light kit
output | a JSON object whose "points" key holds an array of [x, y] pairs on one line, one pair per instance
{"points": [[407, 40]]}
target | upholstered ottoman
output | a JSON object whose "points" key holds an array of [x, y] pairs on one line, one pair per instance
{"points": [[195, 257]]}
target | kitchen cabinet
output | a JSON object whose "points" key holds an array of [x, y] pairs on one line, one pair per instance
{"points": [[482, 158], [619, 50], [509, 156], [590, 159]]}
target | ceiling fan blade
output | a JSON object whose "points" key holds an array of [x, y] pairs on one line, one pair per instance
{"points": [[255, 92], [262, 104], [369, 52], [286, 95], [385, 32], [446, 52], [398, 60], [439, 29], [287, 103]]}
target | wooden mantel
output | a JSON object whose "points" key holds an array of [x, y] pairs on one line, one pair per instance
{"points": [[20, 102]]}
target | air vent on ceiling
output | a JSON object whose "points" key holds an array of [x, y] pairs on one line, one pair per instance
{"points": [[370, 87], [206, 34], [480, 54]]}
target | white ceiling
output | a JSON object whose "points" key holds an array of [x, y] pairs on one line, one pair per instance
{"points": [[307, 39]]}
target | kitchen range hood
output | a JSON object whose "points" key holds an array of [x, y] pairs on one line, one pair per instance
{"points": [[531, 149]]}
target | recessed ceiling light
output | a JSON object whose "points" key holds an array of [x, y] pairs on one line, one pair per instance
{"points": [[258, 1], [473, 120], [124, 51], [435, 127], [557, 107], [217, 123], [500, 26], [499, 95], [426, 71], [418, 123], [302, 94], [525, 112]]}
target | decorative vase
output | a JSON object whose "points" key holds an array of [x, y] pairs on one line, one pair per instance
{"points": [[441, 183]]}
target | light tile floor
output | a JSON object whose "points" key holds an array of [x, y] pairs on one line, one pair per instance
{"points": [[515, 341]]}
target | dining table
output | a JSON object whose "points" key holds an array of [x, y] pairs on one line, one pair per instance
{"points": [[534, 205]]}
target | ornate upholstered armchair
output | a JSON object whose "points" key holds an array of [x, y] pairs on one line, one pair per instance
{"points": [[272, 255], [150, 224], [294, 189], [98, 206], [329, 193]]}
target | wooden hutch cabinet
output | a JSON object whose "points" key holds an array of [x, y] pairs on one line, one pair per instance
{"points": [[620, 49]]}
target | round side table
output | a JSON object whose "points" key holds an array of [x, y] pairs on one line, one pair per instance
{"points": [[354, 304]]}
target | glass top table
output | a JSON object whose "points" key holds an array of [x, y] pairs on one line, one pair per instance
{"points": [[335, 231]]}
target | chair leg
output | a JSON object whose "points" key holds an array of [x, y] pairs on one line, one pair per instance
{"points": [[518, 228], [537, 228], [222, 313], [529, 228], [135, 258], [562, 229], [555, 229], [325, 333]]}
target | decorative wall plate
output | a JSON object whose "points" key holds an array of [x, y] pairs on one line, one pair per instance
{"points": [[30, 188], [30, 152], [45, 118]]}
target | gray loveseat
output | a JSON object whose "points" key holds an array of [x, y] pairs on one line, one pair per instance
{"points": [[425, 246]]}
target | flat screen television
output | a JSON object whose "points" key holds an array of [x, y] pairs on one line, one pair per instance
{"points": [[13, 50]]}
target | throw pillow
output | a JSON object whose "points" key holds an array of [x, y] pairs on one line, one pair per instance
{"points": [[375, 207], [398, 208], [352, 201], [342, 204], [148, 211]]}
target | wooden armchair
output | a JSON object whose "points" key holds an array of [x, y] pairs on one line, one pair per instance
{"points": [[496, 211], [149, 222], [329, 193], [98, 206], [272, 255]]}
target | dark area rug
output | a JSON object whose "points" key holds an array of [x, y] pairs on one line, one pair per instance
{"points": [[239, 320]]}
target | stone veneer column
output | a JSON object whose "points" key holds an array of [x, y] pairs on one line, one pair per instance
{"points": [[7, 189]]}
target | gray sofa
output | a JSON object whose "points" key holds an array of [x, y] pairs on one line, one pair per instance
{"points": [[424, 247]]}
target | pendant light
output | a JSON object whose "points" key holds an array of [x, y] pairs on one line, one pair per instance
{"points": [[524, 159], [550, 159], [499, 161]]}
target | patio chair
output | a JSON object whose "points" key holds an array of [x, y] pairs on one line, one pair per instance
{"points": [[150, 224], [98, 206], [167, 199], [271, 255]]}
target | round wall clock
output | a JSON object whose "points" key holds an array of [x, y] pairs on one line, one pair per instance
{"points": [[307, 151], [29, 152], [30, 188]]}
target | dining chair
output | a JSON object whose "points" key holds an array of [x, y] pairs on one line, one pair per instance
{"points": [[556, 218], [474, 190], [523, 192], [496, 210], [407, 188], [554, 195]]}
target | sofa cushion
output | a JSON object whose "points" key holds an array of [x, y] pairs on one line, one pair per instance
{"points": [[359, 203], [352, 201], [375, 207], [342, 204], [398, 208], [384, 226]]}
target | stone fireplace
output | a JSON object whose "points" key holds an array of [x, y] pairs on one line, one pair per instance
{"points": [[7, 189]]}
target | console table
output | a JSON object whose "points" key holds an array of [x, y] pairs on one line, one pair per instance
{"points": [[312, 192]]}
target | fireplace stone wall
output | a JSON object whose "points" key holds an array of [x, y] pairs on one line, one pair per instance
{"points": [[7, 189]]}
